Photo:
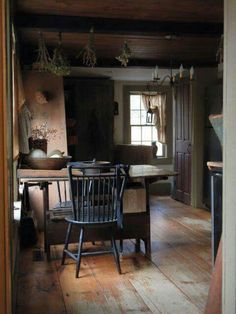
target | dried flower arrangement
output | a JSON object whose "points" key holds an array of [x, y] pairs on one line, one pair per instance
{"points": [[125, 55], [88, 53], [43, 132], [59, 63]]}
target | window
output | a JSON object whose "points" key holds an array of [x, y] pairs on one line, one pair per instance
{"points": [[142, 133]]}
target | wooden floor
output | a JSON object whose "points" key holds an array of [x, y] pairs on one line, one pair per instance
{"points": [[175, 281]]}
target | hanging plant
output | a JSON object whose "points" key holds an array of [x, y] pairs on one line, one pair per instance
{"points": [[125, 55], [59, 64], [88, 53], [42, 62]]}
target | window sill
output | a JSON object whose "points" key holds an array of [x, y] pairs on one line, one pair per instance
{"points": [[162, 161]]}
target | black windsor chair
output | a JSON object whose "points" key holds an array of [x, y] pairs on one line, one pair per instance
{"points": [[96, 194]]}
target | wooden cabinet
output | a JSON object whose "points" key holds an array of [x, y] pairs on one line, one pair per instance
{"points": [[212, 147], [90, 103]]}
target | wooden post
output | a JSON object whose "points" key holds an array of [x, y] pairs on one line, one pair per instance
{"points": [[229, 156], [214, 302], [5, 261]]}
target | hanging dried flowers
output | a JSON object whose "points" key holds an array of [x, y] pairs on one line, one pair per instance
{"points": [[88, 53], [125, 55], [42, 62], [59, 64]]}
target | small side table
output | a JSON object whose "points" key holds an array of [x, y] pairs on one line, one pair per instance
{"points": [[216, 169]]}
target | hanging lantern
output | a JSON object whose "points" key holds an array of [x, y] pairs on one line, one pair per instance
{"points": [[149, 115]]}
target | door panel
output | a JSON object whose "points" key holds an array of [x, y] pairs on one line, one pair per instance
{"points": [[183, 145]]}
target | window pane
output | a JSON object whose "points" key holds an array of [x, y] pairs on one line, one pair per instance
{"points": [[134, 117], [147, 134], [135, 102], [154, 133], [135, 133], [143, 117], [142, 105], [141, 133]]}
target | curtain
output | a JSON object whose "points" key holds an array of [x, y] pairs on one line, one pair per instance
{"points": [[158, 106]]}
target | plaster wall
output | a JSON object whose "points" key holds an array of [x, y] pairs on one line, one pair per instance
{"points": [[229, 157], [51, 113]]}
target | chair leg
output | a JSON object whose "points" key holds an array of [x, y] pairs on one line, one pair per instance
{"points": [[66, 243], [115, 252], [121, 246], [137, 246], [80, 245], [147, 243], [48, 252]]}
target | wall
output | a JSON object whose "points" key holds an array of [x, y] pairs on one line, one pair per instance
{"points": [[203, 77], [229, 157], [53, 113]]}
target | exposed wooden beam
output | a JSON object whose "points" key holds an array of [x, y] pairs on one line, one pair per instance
{"points": [[117, 26]]}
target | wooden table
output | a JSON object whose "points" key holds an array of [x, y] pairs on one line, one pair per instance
{"points": [[136, 226]]}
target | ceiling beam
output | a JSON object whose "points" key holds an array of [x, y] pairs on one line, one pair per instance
{"points": [[56, 23]]}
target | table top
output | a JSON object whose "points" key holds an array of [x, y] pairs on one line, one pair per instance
{"points": [[135, 172], [214, 165]]}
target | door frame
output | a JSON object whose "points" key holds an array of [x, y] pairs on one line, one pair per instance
{"points": [[5, 178]]}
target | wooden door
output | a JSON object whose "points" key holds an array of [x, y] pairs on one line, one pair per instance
{"points": [[183, 145]]}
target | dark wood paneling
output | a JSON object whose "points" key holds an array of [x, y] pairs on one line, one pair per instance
{"points": [[155, 30], [168, 10], [196, 51], [92, 108], [77, 24]]}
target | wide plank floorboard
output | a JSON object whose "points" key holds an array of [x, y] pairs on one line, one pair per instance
{"points": [[175, 280]]}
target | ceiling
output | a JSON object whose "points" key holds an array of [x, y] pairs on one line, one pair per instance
{"points": [[157, 31]]}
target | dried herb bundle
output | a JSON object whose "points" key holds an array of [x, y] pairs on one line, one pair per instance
{"points": [[59, 64], [42, 62], [88, 53], [125, 55]]}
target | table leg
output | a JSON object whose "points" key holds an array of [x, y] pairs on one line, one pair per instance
{"points": [[147, 240], [44, 187]]}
